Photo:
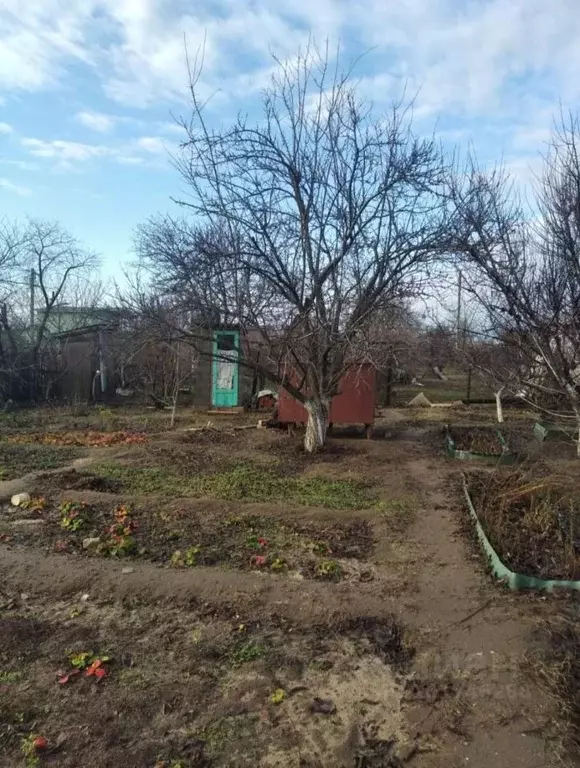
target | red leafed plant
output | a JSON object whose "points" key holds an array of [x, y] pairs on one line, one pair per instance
{"points": [[258, 560], [87, 662], [263, 542], [119, 536]]}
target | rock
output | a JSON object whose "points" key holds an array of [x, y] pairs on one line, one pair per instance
{"points": [[323, 706], [28, 522], [91, 541], [127, 569], [20, 498], [85, 597], [420, 401]]}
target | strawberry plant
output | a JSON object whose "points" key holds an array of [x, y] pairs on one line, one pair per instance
{"points": [[71, 518], [256, 542], [36, 504], [187, 559], [258, 560], [85, 662], [30, 747], [119, 538]]}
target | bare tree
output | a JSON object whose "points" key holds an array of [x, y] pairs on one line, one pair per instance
{"points": [[314, 219], [524, 269], [48, 268]]}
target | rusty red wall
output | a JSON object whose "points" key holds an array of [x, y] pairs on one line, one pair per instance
{"points": [[355, 404]]}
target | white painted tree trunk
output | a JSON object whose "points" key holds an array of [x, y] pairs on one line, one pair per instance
{"points": [[317, 424], [499, 406]]}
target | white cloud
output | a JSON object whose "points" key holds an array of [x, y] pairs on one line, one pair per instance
{"points": [[5, 128], [130, 160], [14, 188], [96, 121], [152, 144], [64, 151]]}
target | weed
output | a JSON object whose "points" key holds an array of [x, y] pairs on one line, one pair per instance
{"points": [[328, 569], [10, 677], [245, 652], [278, 696], [278, 564]]}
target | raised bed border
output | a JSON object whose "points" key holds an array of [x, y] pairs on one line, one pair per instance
{"points": [[511, 578], [505, 457], [543, 430]]}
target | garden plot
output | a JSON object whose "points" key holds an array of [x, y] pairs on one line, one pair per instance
{"points": [[532, 522], [185, 535], [254, 502], [101, 683], [17, 460], [485, 443]]}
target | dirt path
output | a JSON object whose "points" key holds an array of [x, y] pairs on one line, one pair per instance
{"points": [[478, 710]]}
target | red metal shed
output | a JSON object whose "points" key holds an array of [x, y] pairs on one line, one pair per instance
{"points": [[355, 403]]}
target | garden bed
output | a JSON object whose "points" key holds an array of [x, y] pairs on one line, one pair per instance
{"points": [[480, 443], [531, 523], [186, 535], [17, 460], [548, 431], [188, 687]]}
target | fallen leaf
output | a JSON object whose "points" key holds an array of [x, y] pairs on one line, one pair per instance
{"points": [[64, 677]]}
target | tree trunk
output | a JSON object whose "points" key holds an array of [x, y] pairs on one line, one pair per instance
{"points": [[499, 406], [317, 425]]}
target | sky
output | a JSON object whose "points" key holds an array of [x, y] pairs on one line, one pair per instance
{"points": [[90, 89]]}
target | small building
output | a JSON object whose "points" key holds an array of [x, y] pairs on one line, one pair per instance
{"points": [[354, 404]]}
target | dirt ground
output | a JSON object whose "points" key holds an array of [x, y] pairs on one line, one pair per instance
{"points": [[326, 612]]}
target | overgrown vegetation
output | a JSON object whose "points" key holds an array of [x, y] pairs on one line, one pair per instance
{"points": [[242, 483], [19, 460], [533, 522]]}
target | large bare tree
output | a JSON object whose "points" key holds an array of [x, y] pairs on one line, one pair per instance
{"points": [[523, 265], [313, 218]]}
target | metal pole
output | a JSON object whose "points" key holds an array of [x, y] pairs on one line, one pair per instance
{"points": [[32, 285], [458, 320]]}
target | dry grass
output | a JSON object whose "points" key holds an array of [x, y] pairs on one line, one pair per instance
{"points": [[556, 670], [533, 522]]}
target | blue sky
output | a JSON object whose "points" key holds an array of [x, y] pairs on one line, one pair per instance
{"points": [[88, 87]]}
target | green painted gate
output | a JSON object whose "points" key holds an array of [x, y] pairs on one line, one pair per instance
{"points": [[225, 369]]}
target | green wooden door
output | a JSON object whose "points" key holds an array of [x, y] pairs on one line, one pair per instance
{"points": [[225, 365]]}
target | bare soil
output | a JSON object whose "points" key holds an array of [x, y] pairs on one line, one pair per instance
{"points": [[222, 663]]}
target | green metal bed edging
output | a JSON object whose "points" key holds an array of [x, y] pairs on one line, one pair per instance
{"points": [[543, 430], [500, 571], [505, 457]]}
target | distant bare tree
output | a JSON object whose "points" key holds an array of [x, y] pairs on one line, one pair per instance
{"points": [[48, 268], [314, 219], [524, 269]]}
